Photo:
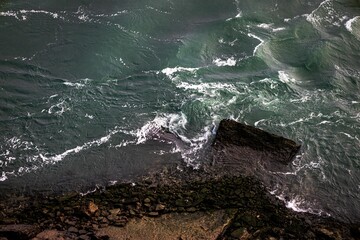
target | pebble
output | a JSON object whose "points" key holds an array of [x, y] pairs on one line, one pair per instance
{"points": [[153, 214], [159, 207]]}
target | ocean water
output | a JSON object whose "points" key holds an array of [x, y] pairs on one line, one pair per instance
{"points": [[85, 86]]}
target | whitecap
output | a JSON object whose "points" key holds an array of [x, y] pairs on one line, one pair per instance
{"points": [[350, 22], [59, 108], [239, 15], [324, 122], [285, 77], [270, 26], [89, 116], [124, 143], [208, 89], [22, 14], [3, 177], [331, 16], [112, 183], [10, 14], [76, 85], [189, 148], [173, 122], [221, 62], [171, 71], [297, 203]]}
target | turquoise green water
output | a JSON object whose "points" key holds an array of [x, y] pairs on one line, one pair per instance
{"points": [[86, 86]]}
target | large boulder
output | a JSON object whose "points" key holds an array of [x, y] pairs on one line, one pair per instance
{"points": [[239, 142]]}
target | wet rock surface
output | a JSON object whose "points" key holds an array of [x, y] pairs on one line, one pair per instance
{"points": [[248, 143], [166, 194]]}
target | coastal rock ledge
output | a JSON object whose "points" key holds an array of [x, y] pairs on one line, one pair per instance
{"points": [[208, 203], [247, 143]]}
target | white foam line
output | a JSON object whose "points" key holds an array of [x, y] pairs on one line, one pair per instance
{"points": [[46, 160], [54, 15], [258, 38], [23, 14], [239, 15], [77, 149], [76, 85], [348, 135], [10, 14], [257, 122]]}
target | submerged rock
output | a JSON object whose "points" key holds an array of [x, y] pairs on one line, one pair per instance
{"points": [[236, 142]]}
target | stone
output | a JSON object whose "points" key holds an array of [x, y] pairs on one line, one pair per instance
{"points": [[191, 209], [241, 233], [147, 200], [159, 207], [73, 230], [153, 214], [90, 209], [114, 211], [82, 232], [253, 144], [18, 231], [84, 237], [50, 235]]}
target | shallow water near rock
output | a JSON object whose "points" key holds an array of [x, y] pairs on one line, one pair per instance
{"points": [[85, 89]]}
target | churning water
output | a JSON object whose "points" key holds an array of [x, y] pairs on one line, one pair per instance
{"points": [[86, 85]]}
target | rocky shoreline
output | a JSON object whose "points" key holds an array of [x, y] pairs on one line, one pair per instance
{"points": [[257, 215], [250, 211]]}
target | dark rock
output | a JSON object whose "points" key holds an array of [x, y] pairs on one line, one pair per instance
{"points": [[103, 225], [8, 221], [159, 207], [73, 230], [82, 232], [191, 209], [253, 144], [239, 233], [50, 235], [132, 212], [84, 237], [153, 214], [115, 211], [20, 231]]}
